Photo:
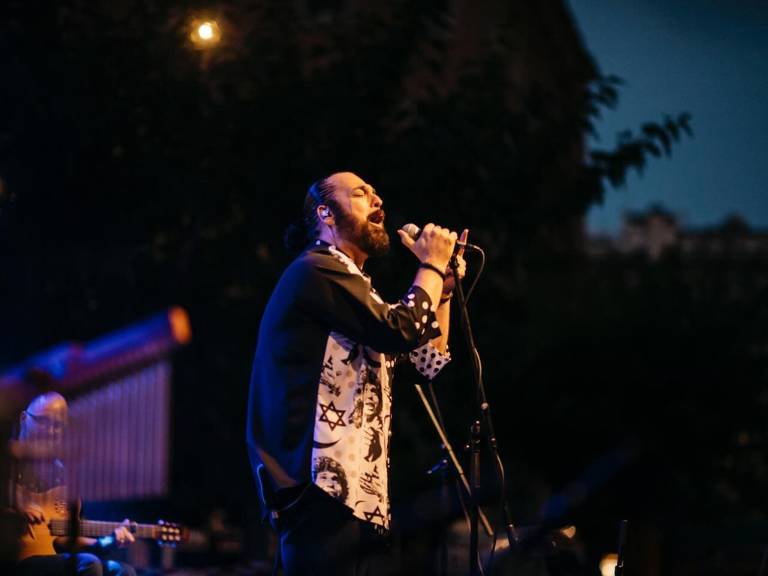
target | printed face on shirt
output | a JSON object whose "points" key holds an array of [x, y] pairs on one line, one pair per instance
{"points": [[329, 475], [330, 482], [372, 402], [359, 215]]}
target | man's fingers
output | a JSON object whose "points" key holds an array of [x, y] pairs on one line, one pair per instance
{"points": [[128, 533], [461, 269], [34, 515], [123, 536], [125, 533], [405, 239]]}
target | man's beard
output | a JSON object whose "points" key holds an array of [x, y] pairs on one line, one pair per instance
{"points": [[371, 239]]}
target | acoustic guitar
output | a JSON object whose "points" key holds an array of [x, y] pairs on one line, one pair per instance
{"points": [[38, 539]]}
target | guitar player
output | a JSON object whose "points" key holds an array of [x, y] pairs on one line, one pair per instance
{"points": [[40, 496]]}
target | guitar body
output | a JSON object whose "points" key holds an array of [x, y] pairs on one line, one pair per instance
{"points": [[37, 539]]}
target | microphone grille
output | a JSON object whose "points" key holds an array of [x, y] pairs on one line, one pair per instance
{"points": [[412, 230]]}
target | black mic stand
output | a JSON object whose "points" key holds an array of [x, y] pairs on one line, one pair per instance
{"points": [[483, 416], [450, 455], [619, 569]]}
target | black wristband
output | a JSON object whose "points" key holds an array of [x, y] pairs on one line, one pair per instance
{"points": [[433, 268]]}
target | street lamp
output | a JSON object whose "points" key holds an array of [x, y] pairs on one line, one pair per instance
{"points": [[205, 33]]}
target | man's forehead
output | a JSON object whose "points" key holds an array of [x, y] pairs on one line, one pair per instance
{"points": [[346, 181], [52, 405]]}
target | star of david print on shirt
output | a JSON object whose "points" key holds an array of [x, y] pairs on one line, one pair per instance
{"points": [[336, 417]]}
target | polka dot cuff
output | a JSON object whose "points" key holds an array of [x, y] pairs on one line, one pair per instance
{"points": [[429, 361]]}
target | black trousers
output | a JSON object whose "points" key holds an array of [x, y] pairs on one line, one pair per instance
{"points": [[320, 536]]}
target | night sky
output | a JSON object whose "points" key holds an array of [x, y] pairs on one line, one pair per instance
{"points": [[709, 58]]}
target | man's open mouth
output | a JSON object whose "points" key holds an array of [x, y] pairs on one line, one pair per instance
{"points": [[377, 217]]}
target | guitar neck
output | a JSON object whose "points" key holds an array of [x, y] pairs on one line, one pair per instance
{"points": [[97, 529]]}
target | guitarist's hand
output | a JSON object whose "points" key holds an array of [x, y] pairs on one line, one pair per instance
{"points": [[33, 514], [122, 535]]}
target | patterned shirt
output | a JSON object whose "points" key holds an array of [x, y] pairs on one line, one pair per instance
{"points": [[321, 395]]}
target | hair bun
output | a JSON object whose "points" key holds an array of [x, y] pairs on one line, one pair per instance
{"points": [[295, 238]]}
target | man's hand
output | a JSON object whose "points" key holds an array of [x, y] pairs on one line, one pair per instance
{"points": [[33, 514], [434, 246], [122, 535]]}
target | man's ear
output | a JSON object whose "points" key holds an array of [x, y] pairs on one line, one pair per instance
{"points": [[324, 212]]}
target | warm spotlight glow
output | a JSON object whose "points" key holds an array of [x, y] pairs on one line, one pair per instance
{"points": [[179, 322], [205, 33], [569, 531], [608, 564]]}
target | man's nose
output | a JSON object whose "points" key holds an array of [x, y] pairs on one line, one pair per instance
{"points": [[376, 201]]}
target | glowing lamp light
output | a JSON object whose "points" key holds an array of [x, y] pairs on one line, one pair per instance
{"points": [[608, 564], [178, 319], [205, 33]]}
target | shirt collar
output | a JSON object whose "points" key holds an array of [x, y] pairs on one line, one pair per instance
{"points": [[318, 244]]}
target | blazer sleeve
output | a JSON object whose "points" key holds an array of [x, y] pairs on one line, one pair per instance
{"points": [[345, 301]]}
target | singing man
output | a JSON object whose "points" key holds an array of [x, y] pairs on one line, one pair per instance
{"points": [[320, 405]]}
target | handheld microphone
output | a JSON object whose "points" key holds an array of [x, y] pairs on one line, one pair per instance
{"points": [[414, 232]]}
